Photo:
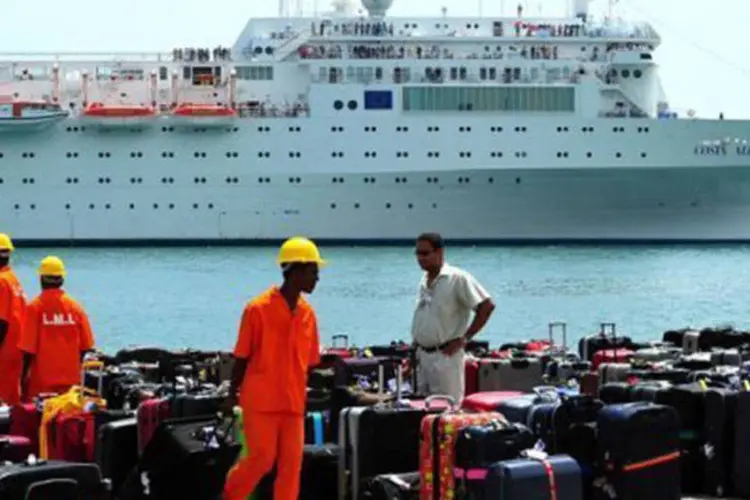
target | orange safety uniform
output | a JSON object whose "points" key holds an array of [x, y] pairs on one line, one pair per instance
{"points": [[280, 346], [56, 331], [12, 307]]}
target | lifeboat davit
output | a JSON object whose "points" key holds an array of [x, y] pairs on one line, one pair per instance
{"points": [[203, 115], [128, 116]]}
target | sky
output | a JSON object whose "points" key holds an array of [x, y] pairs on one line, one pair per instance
{"points": [[703, 58]]}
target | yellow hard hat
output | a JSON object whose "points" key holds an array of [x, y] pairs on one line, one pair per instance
{"points": [[52, 266], [6, 243], [299, 250]]}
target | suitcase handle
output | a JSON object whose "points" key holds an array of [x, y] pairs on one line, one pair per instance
{"points": [[564, 330], [340, 336], [440, 397]]}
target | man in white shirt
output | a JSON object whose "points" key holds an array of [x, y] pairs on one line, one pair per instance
{"points": [[442, 322]]}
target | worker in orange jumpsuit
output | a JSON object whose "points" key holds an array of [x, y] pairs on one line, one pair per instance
{"points": [[55, 338], [277, 345], [12, 306]]}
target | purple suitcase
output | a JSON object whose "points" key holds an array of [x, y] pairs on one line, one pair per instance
{"points": [[15, 448]]}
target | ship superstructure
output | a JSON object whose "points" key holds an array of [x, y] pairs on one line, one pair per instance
{"points": [[357, 127]]}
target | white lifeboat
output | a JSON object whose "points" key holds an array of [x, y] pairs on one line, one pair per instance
{"points": [[130, 116], [29, 115], [203, 115]]}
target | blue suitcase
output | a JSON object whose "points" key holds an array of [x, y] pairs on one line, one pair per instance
{"points": [[557, 477], [639, 448]]}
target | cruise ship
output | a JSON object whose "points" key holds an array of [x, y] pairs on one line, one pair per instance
{"points": [[358, 127]]}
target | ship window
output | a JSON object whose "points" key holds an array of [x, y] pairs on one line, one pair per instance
{"points": [[481, 98], [378, 99], [338, 105]]}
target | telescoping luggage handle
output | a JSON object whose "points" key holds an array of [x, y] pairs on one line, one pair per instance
{"points": [[563, 327], [92, 365], [440, 397], [610, 330], [343, 337]]}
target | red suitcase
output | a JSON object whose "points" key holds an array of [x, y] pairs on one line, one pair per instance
{"points": [[25, 420], [471, 376], [72, 437], [149, 415], [611, 356], [436, 454], [15, 448], [487, 401]]}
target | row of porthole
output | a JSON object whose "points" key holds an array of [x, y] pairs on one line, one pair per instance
{"points": [[564, 154], [171, 129], [367, 154], [398, 129], [298, 180], [108, 206], [387, 205]]}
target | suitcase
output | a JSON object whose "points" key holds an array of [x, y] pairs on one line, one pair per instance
{"points": [[189, 458], [26, 419], [518, 373], [726, 357], [639, 448], [394, 487], [17, 479], [196, 404], [15, 448], [149, 415], [720, 447], [72, 437], [619, 355], [319, 476], [740, 476], [374, 441], [315, 428], [552, 477], [438, 435], [517, 409], [471, 376], [4, 419], [117, 450], [606, 339], [487, 401], [691, 342], [613, 372], [477, 447]]}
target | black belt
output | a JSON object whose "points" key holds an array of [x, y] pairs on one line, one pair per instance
{"points": [[435, 348]]}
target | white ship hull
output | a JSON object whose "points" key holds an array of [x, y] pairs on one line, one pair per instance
{"points": [[138, 193]]}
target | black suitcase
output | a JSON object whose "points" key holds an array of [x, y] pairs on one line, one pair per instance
{"points": [[639, 450], [719, 448], [116, 450], [188, 458], [393, 487], [688, 400], [196, 405], [740, 475], [318, 479], [17, 479]]}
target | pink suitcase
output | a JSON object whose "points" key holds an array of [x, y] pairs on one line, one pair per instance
{"points": [[487, 401], [149, 415], [25, 420]]}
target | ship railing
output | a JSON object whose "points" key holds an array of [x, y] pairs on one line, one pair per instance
{"points": [[293, 43], [83, 57], [622, 29]]}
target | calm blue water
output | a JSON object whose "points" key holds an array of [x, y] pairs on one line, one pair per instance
{"points": [[194, 297]]}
